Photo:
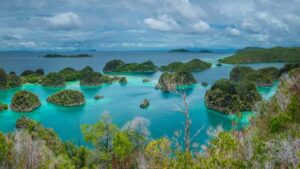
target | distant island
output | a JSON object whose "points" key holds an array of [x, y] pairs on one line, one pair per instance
{"points": [[259, 55], [190, 51], [67, 56]]}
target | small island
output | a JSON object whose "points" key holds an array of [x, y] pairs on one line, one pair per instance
{"points": [[195, 65], [67, 56], [171, 81], [53, 80], [118, 66], [260, 55], [30, 76], [180, 50], [261, 77], [3, 107], [228, 97], [8, 81], [145, 104], [91, 79], [25, 101], [69, 74], [67, 98]]}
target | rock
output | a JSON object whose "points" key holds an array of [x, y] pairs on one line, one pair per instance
{"points": [[204, 84], [146, 80], [219, 64], [25, 101], [145, 104], [98, 97], [123, 80], [67, 98]]}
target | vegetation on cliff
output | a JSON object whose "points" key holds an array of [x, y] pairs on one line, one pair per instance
{"points": [[67, 98], [169, 81], [25, 101], [120, 67], [258, 55], [194, 65]]}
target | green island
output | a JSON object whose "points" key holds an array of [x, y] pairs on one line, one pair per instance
{"points": [[171, 81], [67, 98], [228, 97], [261, 77], [25, 101], [67, 56], [53, 80], [30, 76], [8, 81], [195, 65], [118, 66], [259, 55]]}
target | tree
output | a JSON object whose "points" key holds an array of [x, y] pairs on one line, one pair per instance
{"points": [[3, 79], [101, 135]]}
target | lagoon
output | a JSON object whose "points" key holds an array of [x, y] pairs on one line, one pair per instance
{"points": [[121, 101]]}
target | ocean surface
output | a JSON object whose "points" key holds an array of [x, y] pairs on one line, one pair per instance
{"points": [[122, 101]]}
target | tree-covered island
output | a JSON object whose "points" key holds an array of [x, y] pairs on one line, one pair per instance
{"points": [[25, 101], [67, 98]]}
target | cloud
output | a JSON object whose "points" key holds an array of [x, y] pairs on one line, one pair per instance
{"points": [[162, 23], [200, 26], [63, 21], [233, 31]]}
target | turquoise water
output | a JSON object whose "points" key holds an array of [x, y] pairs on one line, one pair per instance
{"points": [[122, 102]]}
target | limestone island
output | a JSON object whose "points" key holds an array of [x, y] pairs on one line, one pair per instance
{"points": [[25, 101], [228, 97], [195, 65], [118, 66], [261, 77], [170, 81], [30, 76], [53, 80], [67, 98], [8, 81], [3, 107], [145, 104], [259, 55]]}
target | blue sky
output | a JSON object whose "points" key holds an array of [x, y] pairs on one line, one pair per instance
{"points": [[147, 24]]}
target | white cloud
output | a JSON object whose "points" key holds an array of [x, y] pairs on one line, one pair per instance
{"points": [[187, 9], [162, 23], [233, 31], [200, 26], [64, 21]]}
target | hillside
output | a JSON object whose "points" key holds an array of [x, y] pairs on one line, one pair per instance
{"points": [[259, 55]]}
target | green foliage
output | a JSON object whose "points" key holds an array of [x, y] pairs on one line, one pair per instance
{"points": [[228, 97], [257, 55], [261, 77], [120, 67], [8, 81], [38, 131], [171, 81], [67, 98], [195, 65], [121, 146], [279, 122], [53, 80], [4, 148], [69, 74], [91, 79], [25, 101]]}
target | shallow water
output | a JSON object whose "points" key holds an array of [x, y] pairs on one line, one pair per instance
{"points": [[122, 102]]}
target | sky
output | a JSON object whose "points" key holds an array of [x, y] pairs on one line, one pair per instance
{"points": [[147, 24]]}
